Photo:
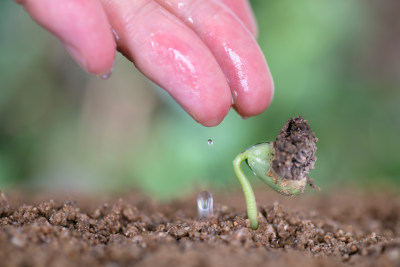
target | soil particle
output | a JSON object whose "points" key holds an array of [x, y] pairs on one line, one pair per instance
{"points": [[337, 230], [294, 150]]}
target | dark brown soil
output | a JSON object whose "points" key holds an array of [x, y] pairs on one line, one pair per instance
{"points": [[339, 229], [295, 148]]}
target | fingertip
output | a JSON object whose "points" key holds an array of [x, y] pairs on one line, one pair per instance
{"points": [[95, 60], [255, 102], [214, 115], [101, 62]]}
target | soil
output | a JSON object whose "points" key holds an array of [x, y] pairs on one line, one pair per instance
{"points": [[335, 229], [294, 154]]}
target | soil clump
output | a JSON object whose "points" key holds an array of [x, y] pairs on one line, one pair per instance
{"points": [[295, 148]]}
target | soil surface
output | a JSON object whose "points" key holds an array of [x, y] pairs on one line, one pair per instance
{"points": [[340, 228]]}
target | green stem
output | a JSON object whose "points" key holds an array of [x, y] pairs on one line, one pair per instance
{"points": [[251, 204]]}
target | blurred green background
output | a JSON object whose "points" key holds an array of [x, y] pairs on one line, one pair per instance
{"points": [[336, 63]]}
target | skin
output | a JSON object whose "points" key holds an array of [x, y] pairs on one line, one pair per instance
{"points": [[203, 53]]}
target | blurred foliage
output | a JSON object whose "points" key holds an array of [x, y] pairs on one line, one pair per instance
{"points": [[336, 63]]}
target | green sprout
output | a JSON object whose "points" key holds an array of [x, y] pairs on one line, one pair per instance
{"points": [[283, 165]]}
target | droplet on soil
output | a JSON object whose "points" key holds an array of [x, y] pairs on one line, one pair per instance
{"points": [[210, 142], [205, 205]]}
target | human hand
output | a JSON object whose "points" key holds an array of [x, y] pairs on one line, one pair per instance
{"points": [[203, 53]]}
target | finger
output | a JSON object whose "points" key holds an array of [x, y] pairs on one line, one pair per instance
{"points": [[242, 9], [235, 49], [83, 28], [173, 56]]}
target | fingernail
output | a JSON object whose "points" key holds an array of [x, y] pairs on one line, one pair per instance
{"points": [[76, 55]]}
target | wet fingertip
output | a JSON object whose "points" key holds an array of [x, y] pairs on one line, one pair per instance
{"points": [[244, 117], [248, 111], [78, 56], [208, 122], [212, 123]]}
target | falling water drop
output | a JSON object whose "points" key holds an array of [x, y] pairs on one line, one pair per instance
{"points": [[210, 142], [205, 205]]}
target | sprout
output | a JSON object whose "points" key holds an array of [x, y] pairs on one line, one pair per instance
{"points": [[283, 165]]}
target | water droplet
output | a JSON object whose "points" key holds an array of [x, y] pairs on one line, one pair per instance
{"points": [[210, 142], [205, 205], [116, 36], [105, 76]]}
